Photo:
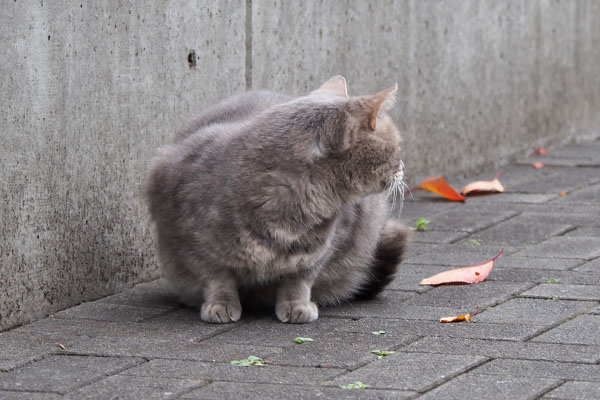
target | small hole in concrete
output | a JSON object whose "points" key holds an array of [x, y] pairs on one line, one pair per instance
{"points": [[192, 59]]}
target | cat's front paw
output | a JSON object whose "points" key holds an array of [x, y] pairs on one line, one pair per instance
{"points": [[297, 311], [221, 312]]}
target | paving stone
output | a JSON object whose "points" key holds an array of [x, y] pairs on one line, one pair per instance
{"points": [[564, 292], [457, 255], [270, 330], [467, 221], [210, 371], [18, 348], [558, 179], [588, 150], [100, 311], [483, 294], [565, 247], [593, 265], [429, 236], [536, 263], [575, 390], [533, 198], [550, 161], [583, 218], [386, 305], [402, 327], [506, 349], [183, 324], [152, 294], [173, 349], [583, 232], [533, 311], [229, 391], [133, 387], [482, 387], [544, 276], [12, 395], [62, 373], [540, 369], [519, 232], [348, 350], [580, 330], [409, 276], [410, 371], [585, 195]]}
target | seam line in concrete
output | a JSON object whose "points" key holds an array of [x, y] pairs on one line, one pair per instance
{"points": [[248, 43]]}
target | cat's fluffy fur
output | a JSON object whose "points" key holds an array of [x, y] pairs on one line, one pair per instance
{"points": [[281, 201]]}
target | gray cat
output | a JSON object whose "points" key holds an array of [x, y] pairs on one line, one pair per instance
{"points": [[268, 199]]}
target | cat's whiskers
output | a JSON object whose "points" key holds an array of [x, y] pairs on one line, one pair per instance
{"points": [[396, 188]]}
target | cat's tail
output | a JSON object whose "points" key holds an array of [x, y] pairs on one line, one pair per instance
{"points": [[390, 249]]}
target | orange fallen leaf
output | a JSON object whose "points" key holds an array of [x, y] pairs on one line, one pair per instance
{"points": [[473, 274], [62, 346], [493, 186], [540, 151], [438, 185], [562, 194], [538, 165], [459, 318]]}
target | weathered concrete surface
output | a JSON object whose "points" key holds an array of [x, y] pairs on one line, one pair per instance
{"points": [[479, 81], [90, 90]]}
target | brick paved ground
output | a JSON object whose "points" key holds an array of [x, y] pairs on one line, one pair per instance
{"points": [[537, 334]]}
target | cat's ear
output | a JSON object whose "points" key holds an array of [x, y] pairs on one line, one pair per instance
{"points": [[383, 100], [335, 85]]}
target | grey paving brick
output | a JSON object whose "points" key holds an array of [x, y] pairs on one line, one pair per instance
{"points": [[348, 350], [564, 292], [482, 387], [62, 373], [403, 327], [506, 349], [135, 388], [172, 349], [227, 372], [575, 390], [552, 161], [531, 198], [588, 150], [229, 391], [272, 332], [183, 324], [558, 179], [581, 330], [12, 395], [100, 311], [537, 263], [540, 369], [483, 294], [544, 276], [457, 255], [410, 371], [590, 231], [533, 311], [18, 348], [593, 265], [519, 232], [151, 294], [409, 276], [386, 305], [585, 195], [584, 217], [565, 247], [467, 221], [430, 236]]}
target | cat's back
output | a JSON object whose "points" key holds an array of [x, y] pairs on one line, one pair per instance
{"points": [[236, 109]]}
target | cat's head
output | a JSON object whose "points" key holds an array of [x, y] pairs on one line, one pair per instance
{"points": [[353, 137]]}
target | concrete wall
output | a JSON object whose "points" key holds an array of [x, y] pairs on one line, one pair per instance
{"points": [[90, 89]]}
